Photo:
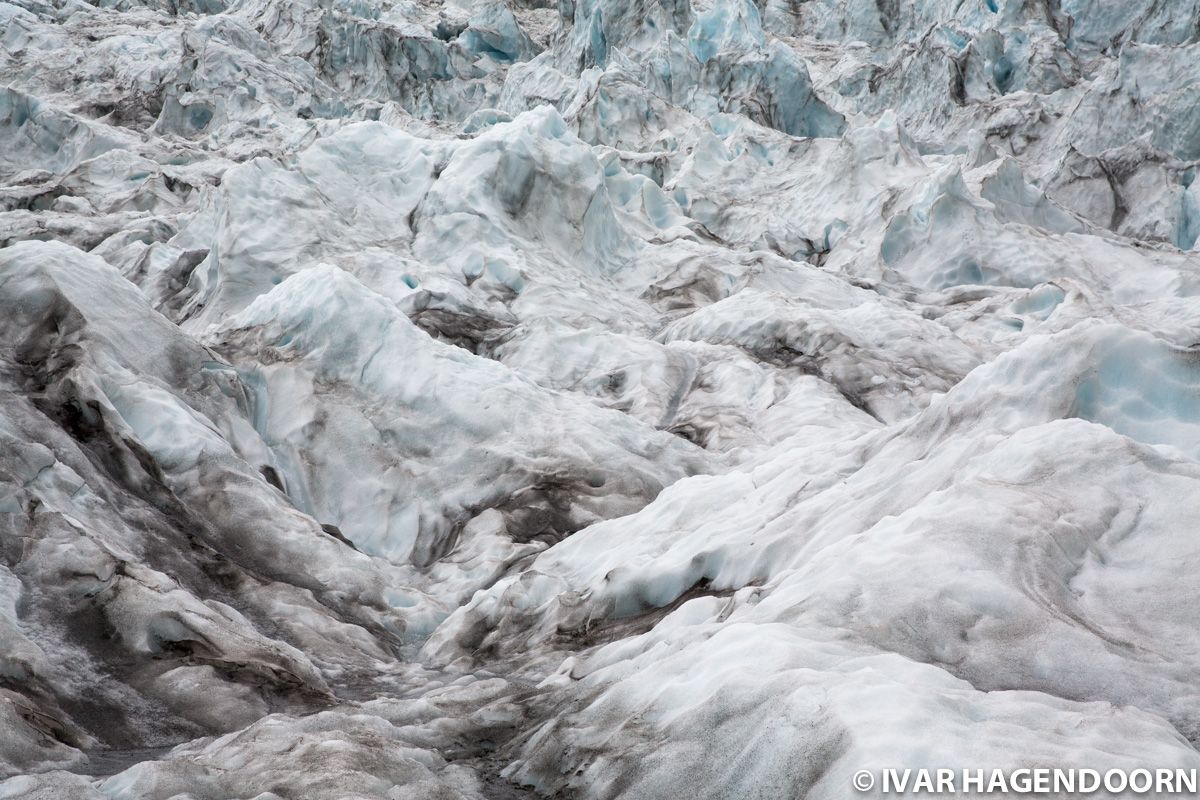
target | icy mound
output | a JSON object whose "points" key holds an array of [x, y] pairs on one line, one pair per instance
{"points": [[346, 410], [598, 399], [1035, 594]]}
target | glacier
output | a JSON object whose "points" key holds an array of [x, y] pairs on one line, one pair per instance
{"points": [[495, 399]]}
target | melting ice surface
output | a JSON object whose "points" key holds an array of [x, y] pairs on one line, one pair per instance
{"points": [[601, 399]]}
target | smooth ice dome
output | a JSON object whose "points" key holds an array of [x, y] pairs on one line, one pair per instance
{"points": [[595, 399]]}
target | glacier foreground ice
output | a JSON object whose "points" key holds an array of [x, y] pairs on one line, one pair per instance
{"points": [[600, 399]]}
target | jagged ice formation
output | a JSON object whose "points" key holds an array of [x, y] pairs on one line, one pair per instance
{"points": [[616, 398]]}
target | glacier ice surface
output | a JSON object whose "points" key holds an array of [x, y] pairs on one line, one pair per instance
{"points": [[594, 399]]}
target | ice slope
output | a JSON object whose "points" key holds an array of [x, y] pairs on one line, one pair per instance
{"points": [[973, 538], [601, 399], [347, 412]]}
